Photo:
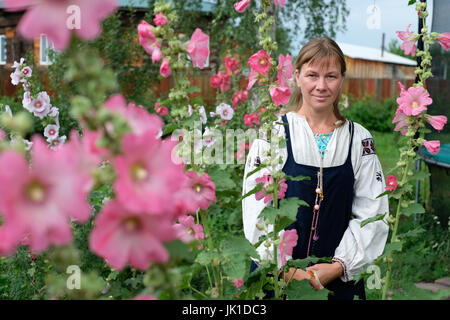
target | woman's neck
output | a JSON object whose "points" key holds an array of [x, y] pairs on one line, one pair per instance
{"points": [[319, 122]]}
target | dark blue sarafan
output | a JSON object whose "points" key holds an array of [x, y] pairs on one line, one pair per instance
{"points": [[334, 215]]}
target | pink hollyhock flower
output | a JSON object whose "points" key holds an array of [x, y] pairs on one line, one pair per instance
{"points": [[266, 192], [285, 69], [54, 19], [187, 231], [147, 178], [225, 84], [57, 142], [198, 48], [198, 192], [148, 41], [89, 155], [260, 62], [51, 132], [235, 99], [165, 69], [287, 244], [414, 101], [241, 6], [162, 111], [248, 120], [231, 65], [280, 95], [438, 122], [27, 72], [391, 183], [279, 2], [121, 236], [255, 118], [238, 282], [139, 119], [400, 119], [444, 40], [160, 20], [38, 200], [252, 78], [433, 146], [409, 41], [216, 80]]}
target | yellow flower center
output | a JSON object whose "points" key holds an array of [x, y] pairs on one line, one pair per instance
{"points": [[415, 105], [198, 187], [36, 192], [131, 224], [263, 61], [138, 172]]}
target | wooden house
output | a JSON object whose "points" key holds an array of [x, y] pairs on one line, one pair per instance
{"points": [[373, 72]]}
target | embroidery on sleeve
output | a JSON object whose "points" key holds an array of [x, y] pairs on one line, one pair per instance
{"points": [[379, 176], [368, 147]]}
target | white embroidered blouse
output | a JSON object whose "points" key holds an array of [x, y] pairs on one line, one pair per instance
{"points": [[359, 246]]}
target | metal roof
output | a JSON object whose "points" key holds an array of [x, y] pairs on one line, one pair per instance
{"points": [[366, 53]]}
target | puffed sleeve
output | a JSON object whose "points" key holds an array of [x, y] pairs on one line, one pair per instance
{"points": [[260, 152], [359, 247]]}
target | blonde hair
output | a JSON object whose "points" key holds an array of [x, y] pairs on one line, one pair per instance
{"points": [[322, 50]]}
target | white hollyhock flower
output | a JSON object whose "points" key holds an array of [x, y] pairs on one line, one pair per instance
{"points": [[51, 132], [225, 111]]}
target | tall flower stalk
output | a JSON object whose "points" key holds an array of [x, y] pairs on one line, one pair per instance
{"points": [[411, 118]]}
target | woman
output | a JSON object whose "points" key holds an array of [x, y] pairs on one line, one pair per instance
{"points": [[346, 177]]}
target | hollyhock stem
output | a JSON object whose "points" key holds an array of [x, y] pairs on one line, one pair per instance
{"points": [[275, 251], [204, 219]]}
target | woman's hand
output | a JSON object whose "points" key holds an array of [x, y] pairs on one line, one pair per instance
{"points": [[297, 274], [326, 272]]}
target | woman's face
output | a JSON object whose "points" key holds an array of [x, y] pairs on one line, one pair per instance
{"points": [[320, 84]]}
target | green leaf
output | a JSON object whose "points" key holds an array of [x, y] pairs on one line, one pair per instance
{"points": [[413, 208], [196, 101], [411, 233], [392, 247], [261, 166], [269, 213], [205, 257], [302, 290], [387, 192], [256, 189], [193, 89], [373, 219], [222, 179], [168, 129], [411, 2], [289, 207], [303, 263], [178, 249], [420, 175], [298, 178], [235, 256]]}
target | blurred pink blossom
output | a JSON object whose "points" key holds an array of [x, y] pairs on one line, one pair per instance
{"points": [[160, 20], [285, 69], [187, 231], [444, 40], [238, 282], [198, 48], [38, 200], [241, 6], [165, 69], [147, 178], [279, 2], [438, 122], [122, 237], [287, 244], [148, 41], [266, 192], [280, 95], [433, 146], [409, 41], [51, 18], [260, 62], [231, 64]]}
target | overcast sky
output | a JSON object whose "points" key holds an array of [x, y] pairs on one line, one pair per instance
{"points": [[394, 15]]}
